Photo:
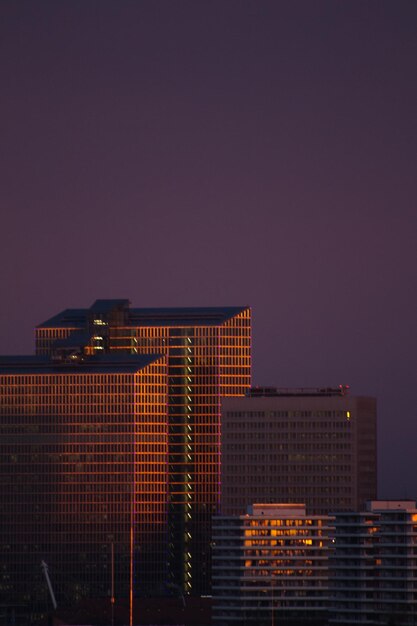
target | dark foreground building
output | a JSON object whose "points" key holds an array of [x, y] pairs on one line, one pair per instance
{"points": [[111, 443]]}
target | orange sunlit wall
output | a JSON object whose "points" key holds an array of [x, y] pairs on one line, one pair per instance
{"points": [[150, 488], [83, 461], [235, 355], [204, 363], [46, 337]]}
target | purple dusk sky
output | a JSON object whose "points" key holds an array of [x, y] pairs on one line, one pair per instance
{"points": [[223, 152]]}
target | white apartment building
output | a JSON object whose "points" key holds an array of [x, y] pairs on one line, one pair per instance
{"points": [[374, 565], [270, 566]]}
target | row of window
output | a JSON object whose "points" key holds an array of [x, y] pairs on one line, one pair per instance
{"points": [[288, 413]]}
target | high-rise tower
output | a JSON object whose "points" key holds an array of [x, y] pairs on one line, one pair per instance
{"points": [[208, 352], [83, 475]]}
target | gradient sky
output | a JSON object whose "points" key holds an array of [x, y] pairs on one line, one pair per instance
{"points": [[223, 152]]}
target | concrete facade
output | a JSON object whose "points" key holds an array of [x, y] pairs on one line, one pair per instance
{"points": [[316, 446]]}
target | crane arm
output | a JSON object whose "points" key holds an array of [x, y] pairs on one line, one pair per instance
{"points": [[48, 581]]}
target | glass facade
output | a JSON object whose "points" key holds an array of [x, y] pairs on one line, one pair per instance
{"points": [[83, 473], [208, 355]]}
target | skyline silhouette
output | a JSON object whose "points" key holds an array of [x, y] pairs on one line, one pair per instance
{"points": [[223, 154]]}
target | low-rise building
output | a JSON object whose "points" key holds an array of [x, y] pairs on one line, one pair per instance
{"points": [[374, 565], [271, 565]]}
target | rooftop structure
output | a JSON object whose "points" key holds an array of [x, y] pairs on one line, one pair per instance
{"points": [[297, 392]]}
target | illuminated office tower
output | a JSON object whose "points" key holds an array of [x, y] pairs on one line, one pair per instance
{"points": [[316, 446], [208, 353], [83, 473]]}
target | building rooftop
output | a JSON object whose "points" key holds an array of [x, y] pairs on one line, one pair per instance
{"points": [[278, 509], [189, 316], [105, 306], [290, 392], [75, 363], [391, 505]]}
